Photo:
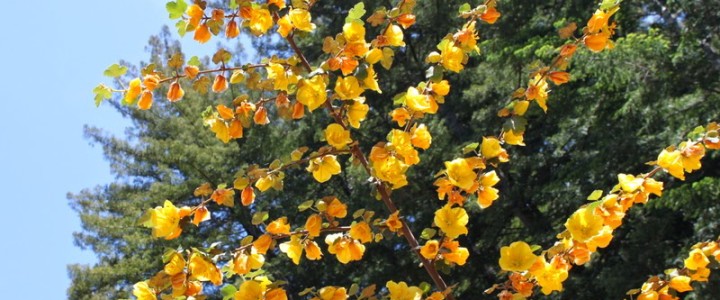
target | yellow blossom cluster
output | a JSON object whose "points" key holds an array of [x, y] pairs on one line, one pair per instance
{"points": [[697, 265], [591, 226]]}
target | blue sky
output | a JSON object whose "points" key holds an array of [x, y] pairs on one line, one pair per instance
{"points": [[54, 53]]}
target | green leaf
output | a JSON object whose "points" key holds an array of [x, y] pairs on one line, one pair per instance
{"points": [[260, 217], [607, 4], [145, 219], [305, 205], [233, 4], [470, 147], [176, 9], [101, 92], [246, 240], [358, 213], [354, 288], [176, 60], [534, 248], [306, 291], [399, 99], [464, 8], [356, 12], [181, 27], [194, 61], [596, 194], [425, 287], [428, 233], [228, 291], [115, 70]]}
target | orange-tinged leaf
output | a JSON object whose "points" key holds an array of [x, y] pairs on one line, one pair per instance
{"points": [[559, 77], [491, 15], [247, 196], [201, 214]]}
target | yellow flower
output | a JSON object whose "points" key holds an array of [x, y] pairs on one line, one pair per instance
{"points": [[537, 90], [457, 255], [313, 225], [243, 263], [312, 251], [203, 269], [487, 193], [284, 26], [175, 265], [452, 57], [517, 257], [354, 31], [293, 249], [301, 19], [401, 291], [166, 221], [346, 249], [490, 148], [460, 173], [279, 226], [361, 231], [597, 42], [281, 79], [337, 136], [513, 138], [311, 92], [324, 167], [250, 290], [276, 294], [370, 80], [451, 221], [133, 91], [441, 88], [584, 224], [598, 21], [142, 291], [373, 56], [671, 161], [416, 101], [436, 296], [681, 284], [430, 249], [357, 111], [260, 21], [549, 276], [629, 183], [394, 36], [393, 222], [263, 243], [391, 170], [348, 88], [691, 155], [333, 293], [421, 137], [696, 260], [336, 209]]}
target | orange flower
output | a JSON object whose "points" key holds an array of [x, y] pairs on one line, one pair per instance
{"points": [[232, 30], [597, 42], [146, 100], [261, 117], [559, 78], [175, 92], [220, 84], [247, 196], [202, 34], [490, 15], [406, 20]]}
